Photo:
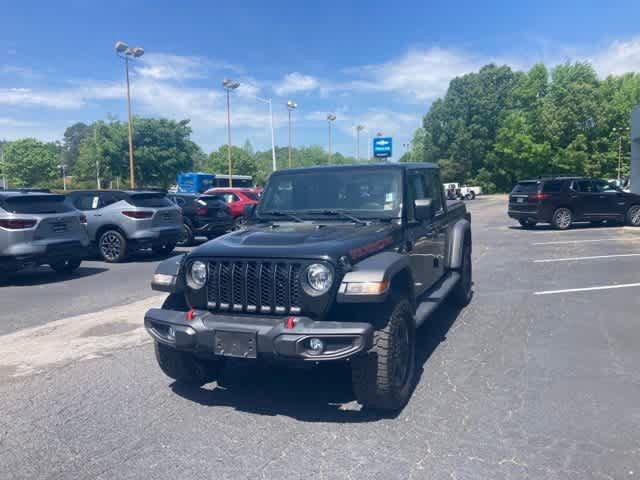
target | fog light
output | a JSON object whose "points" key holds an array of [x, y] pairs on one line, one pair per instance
{"points": [[316, 346], [171, 333]]}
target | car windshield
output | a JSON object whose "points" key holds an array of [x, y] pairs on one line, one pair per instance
{"points": [[526, 187], [251, 195], [369, 192], [150, 200]]}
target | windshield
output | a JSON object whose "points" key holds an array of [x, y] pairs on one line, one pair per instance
{"points": [[370, 193], [251, 195], [150, 200], [526, 187]]}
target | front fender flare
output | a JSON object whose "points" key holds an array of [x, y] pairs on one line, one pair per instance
{"points": [[167, 276], [382, 267]]}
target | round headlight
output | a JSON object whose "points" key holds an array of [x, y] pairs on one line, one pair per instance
{"points": [[197, 275], [319, 278]]}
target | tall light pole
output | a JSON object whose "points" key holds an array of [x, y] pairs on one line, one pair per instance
{"points": [[273, 137], [359, 128], [291, 105], [126, 52], [620, 132], [4, 175], [229, 85], [330, 118]]}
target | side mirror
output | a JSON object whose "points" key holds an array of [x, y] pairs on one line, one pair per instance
{"points": [[423, 209], [248, 211]]}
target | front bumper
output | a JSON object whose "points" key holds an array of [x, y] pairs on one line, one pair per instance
{"points": [[257, 336]]}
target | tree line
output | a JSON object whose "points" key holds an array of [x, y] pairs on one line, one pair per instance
{"points": [[162, 149], [496, 126]]}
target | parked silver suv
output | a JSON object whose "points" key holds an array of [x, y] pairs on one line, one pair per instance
{"points": [[121, 221], [40, 228]]}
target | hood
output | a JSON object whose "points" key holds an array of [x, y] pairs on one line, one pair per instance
{"points": [[302, 240]]}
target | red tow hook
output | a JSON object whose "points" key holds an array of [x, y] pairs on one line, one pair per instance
{"points": [[190, 315], [291, 322]]}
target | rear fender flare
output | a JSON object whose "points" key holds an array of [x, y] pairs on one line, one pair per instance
{"points": [[460, 233]]}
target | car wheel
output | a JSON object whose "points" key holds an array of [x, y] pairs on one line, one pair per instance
{"points": [[186, 368], [633, 216], [66, 266], [562, 218], [472, 195], [239, 221], [463, 291], [112, 246], [164, 249], [187, 236], [527, 223], [383, 377]]}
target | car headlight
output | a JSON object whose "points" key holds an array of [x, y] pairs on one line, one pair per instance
{"points": [[318, 279], [197, 275]]}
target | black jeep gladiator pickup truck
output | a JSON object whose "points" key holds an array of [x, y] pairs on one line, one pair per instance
{"points": [[336, 263]]}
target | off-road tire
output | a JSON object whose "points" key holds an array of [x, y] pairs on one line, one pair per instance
{"points": [[112, 246], [463, 291], [67, 266], [633, 216], [562, 218], [163, 249], [373, 372], [527, 223], [184, 367], [188, 238]]}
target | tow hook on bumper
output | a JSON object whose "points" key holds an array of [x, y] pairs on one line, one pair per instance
{"points": [[246, 336]]}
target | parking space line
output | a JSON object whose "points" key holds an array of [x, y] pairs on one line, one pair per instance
{"points": [[591, 240], [594, 257], [588, 289]]}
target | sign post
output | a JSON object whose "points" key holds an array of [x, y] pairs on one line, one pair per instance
{"points": [[382, 147], [635, 150]]}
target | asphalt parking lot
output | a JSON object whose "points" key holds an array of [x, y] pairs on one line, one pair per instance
{"points": [[539, 377]]}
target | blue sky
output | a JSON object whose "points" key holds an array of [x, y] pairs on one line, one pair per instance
{"points": [[376, 63]]}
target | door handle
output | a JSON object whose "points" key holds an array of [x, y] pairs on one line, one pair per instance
{"points": [[430, 233], [574, 196], [97, 214]]}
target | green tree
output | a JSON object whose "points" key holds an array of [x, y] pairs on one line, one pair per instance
{"points": [[31, 163], [71, 140]]}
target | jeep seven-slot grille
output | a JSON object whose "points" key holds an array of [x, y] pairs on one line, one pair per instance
{"points": [[254, 286]]}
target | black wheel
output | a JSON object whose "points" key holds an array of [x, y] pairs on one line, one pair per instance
{"points": [[527, 223], [184, 367], [472, 195], [562, 218], [187, 236], [66, 266], [463, 291], [163, 249], [383, 377], [112, 246], [239, 221], [633, 216]]}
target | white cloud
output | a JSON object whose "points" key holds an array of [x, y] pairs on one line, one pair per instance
{"points": [[168, 66], [65, 98], [296, 82], [618, 58], [15, 123], [17, 71]]}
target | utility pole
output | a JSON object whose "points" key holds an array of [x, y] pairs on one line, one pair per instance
{"points": [[95, 146], [358, 129], [620, 132], [291, 105]]}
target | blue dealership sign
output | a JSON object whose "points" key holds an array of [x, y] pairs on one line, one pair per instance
{"points": [[382, 147]]}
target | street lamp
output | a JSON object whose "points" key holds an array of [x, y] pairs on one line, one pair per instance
{"points": [[621, 132], [229, 85], [273, 139], [63, 169], [291, 105], [126, 52], [330, 118], [2, 165], [359, 128]]}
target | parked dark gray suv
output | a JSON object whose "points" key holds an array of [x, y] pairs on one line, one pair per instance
{"points": [[121, 221], [40, 228]]}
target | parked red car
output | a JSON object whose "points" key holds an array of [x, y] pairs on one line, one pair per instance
{"points": [[237, 199]]}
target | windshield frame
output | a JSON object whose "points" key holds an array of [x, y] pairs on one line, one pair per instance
{"points": [[262, 211]]}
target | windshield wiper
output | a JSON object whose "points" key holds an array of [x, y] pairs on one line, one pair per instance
{"points": [[338, 213], [278, 213]]}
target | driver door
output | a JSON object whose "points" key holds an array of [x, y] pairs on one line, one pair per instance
{"points": [[425, 239]]}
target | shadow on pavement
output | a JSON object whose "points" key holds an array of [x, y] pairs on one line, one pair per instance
{"points": [[308, 393], [575, 226], [45, 275]]}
